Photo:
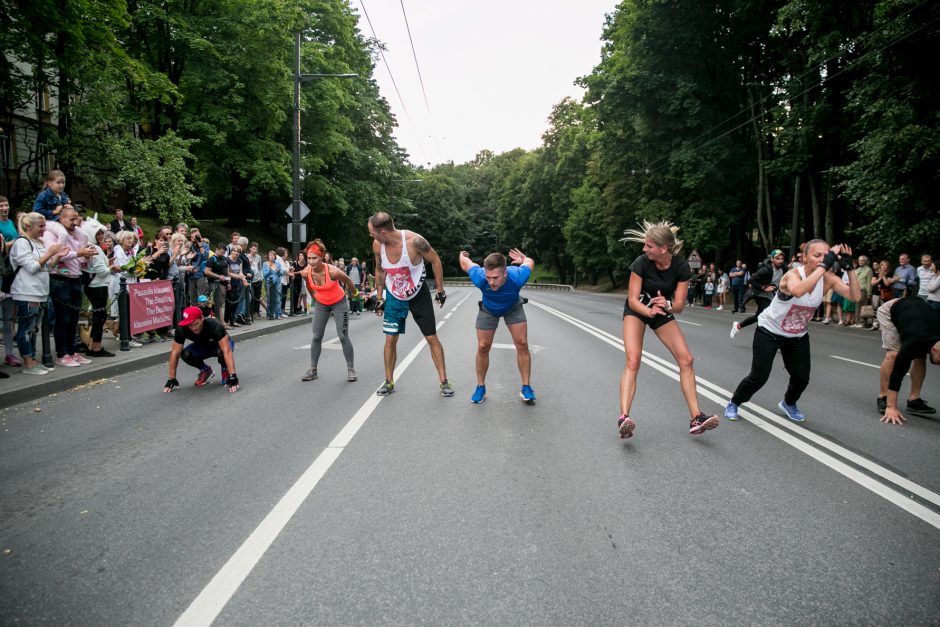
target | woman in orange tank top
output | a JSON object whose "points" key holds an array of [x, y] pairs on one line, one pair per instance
{"points": [[325, 283]]}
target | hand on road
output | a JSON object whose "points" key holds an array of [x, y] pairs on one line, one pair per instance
{"points": [[893, 416], [171, 384]]}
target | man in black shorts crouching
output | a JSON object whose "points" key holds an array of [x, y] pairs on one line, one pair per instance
{"points": [[209, 339]]}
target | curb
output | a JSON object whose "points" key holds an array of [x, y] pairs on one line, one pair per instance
{"points": [[83, 375]]}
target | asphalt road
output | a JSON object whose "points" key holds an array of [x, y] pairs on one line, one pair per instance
{"points": [[319, 503]]}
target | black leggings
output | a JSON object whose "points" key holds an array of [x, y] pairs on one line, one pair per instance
{"points": [[762, 304], [796, 359], [98, 297]]}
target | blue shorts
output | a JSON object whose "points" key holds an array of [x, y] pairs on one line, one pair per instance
{"points": [[421, 308]]}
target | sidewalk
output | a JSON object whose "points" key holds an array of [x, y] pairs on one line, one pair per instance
{"points": [[20, 388]]}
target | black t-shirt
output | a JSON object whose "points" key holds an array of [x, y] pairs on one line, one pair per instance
{"points": [[919, 328], [662, 281], [218, 265], [209, 335]]}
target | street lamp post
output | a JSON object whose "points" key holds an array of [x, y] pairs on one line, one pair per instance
{"points": [[299, 211]]}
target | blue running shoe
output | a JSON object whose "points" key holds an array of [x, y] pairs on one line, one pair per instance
{"points": [[731, 411], [527, 395], [792, 411], [478, 394]]}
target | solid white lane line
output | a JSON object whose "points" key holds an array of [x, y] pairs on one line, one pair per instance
{"points": [[694, 324], [206, 607], [860, 363], [719, 395]]}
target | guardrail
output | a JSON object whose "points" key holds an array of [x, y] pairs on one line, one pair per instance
{"points": [[557, 287]]}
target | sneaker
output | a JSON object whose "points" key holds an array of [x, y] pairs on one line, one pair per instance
{"points": [[827, 320], [792, 411], [12, 360], [224, 375], [625, 425], [918, 406], [386, 388], [37, 369], [858, 325], [874, 325], [478, 394], [735, 329], [702, 423], [310, 375], [204, 376], [66, 362], [351, 375], [527, 394], [100, 353], [446, 388], [883, 404], [77, 357], [731, 411], [720, 307], [134, 343]]}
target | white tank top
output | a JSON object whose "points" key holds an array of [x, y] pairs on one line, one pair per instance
{"points": [[788, 318], [402, 278]]}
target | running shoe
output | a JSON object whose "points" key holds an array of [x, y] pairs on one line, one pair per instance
{"points": [[67, 362], [386, 388], [735, 329], [478, 394], [204, 376], [720, 307], [527, 394], [12, 360], [702, 423], [224, 375], [625, 425], [446, 388], [134, 344], [310, 375], [792, 411], [731, 411], [882, 404], [918, 406], [80, 358], [351, 375]]}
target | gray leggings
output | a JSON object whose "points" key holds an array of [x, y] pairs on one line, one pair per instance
{"points": [[321, 314]]}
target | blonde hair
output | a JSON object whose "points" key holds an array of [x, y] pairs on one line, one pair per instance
{"points": [[660, 233], [27, 220]]}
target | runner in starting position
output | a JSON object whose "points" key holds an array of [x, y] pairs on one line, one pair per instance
{"points": [[209, 339]]}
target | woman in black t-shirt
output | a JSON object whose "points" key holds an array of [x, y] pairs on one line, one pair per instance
{"points": [[659, 284]]}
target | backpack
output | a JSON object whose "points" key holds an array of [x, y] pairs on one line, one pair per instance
{"points": [[7, 273]]}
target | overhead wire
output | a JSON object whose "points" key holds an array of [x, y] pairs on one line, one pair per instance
{"points": [[392, 77], [424, 92]]}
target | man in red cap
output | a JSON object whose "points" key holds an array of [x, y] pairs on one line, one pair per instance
{"points": [[209, 339]]}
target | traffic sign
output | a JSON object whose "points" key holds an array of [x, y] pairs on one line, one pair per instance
{"points": [[695, 262], [301, 232], [304, 211]]}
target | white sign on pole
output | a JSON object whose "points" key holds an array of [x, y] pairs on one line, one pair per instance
{"points": [[695, 262], [302, 237], [304, 211]]}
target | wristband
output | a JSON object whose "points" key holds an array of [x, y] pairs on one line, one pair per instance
{"points": [[172, 384], [829, 260], [232, 380]]}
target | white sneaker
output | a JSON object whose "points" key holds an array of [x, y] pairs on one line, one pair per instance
{"points": [[858, 325], [37, 369], [827, 320], [735, 329], [720, 307]]}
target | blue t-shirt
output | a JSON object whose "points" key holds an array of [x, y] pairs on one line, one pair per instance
{"points": [[8, 229], [501, 301], [738, 280]]}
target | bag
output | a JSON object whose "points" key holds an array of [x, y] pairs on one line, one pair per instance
{"points": [[886, 294], [867, 311], [7, 272]]}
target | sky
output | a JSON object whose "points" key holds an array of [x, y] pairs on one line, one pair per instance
{"points": [[492, 70]]}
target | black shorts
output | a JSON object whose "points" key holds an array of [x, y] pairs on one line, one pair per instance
{"points": [[421, 308], [654, 323]]}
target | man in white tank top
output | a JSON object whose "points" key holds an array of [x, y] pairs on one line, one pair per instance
{"points": [[400, 281]]}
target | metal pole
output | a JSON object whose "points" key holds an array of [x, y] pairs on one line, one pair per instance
{"points": [[295, 189], [795, 226], [124, 306], [46, 346]]}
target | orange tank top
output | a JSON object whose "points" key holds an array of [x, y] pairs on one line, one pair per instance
{"points": [[330, 292]]}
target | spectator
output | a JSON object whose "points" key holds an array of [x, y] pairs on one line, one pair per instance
{"points": [[52, 199], [881, 287], [183, 229], [198, 257], [124, 250], [864, 275], [724, 284], [356, 274], [709, 291], [217, 278], [65, 284], [118, 224], [933, 289], [243, 316], [30, 290], [7, 227], [905, 277], [234, 242], [738, 285], [236, 281], [97, 291], [298, 297], [273, 271], [8, 235], [139, 232], [257, 280], [286, 279], [925, 273]]}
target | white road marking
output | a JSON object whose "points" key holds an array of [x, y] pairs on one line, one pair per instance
{"points": [[779, 430], [694, 324], [325, 344], [206, 607], [860, 363], [532, 347]]}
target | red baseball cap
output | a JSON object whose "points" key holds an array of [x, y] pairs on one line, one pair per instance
{"points": [[190, 315]]}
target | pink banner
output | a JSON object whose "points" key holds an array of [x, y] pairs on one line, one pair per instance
{"points": [[151, 305]]}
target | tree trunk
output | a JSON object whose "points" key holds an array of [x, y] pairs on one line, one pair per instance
{"points": [[830, 222], [758, 139], [817, 210]]}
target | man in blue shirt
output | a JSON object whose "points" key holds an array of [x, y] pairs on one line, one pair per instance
{"points": [[500, 286], [738, 285], [906, 277]]}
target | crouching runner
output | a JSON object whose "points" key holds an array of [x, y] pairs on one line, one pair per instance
{"points": [[209, 339]]}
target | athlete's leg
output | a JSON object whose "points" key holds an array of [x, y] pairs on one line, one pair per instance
{"points": [[762, 304], [341, 318], [321, 315], [887, 365], [796, 359], [671, 336], [763, 350], [391, 355], [484, 343], [437, 355], [520, 337], [633, 330], [918, 373]]}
